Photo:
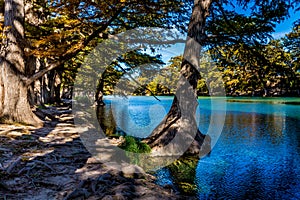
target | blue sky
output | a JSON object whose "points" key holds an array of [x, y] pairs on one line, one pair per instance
{"points": [[286, 26], [280, 31]]}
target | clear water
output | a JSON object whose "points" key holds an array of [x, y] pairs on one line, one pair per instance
{"points": [[257, 155]]}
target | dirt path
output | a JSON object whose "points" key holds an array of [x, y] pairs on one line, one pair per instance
{"points": [[52, 163]]}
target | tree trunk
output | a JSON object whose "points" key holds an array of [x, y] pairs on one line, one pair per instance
{"points": [[35, 16], [99, 92], [38, 84], [30, 70], [55, 86], [179, 126], [14, 92]]}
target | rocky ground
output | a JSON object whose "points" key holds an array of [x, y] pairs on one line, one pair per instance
{"points": [[52, 163]]}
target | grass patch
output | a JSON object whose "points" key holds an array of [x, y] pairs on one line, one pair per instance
{"points": [[134, 145]]}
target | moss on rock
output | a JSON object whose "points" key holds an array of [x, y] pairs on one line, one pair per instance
{"points": [[183, 172]]}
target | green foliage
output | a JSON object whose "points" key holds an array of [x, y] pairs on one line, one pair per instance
{"points": [[252, 26], [259, 68], [69, 26], [132, 144], [271, 69], [292, 44], [163, 83]]}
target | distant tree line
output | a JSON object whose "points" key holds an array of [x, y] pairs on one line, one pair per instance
{"points": [[275, 73]]}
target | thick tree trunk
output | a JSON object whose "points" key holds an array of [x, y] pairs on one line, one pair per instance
{"points": [[14, 99], [14, 92], [180, 124]]}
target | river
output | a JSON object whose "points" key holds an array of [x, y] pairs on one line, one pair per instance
{"points": [[256, 154]]}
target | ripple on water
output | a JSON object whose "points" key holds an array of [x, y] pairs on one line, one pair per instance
{"points": [[253, 166], [256, 157]]}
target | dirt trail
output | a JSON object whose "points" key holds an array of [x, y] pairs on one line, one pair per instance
{"points": [[52, 163]]}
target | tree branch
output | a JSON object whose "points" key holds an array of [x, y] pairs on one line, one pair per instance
{"points": [[71, 53], [138, 82]]}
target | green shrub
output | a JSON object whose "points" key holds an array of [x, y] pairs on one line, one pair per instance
{"points": [[134, 145]]}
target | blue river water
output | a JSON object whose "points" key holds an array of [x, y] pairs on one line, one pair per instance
{"points": [[256, 155]]}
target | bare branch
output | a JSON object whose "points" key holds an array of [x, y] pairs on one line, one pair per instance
{"points": [[133, 79]]}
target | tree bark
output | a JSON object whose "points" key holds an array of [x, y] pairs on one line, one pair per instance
{"points": [[180, 120], [99, 90], [15, 106], [54, 84]]}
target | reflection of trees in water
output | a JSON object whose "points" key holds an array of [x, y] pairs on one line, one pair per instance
{"points": [[277, 122], [251, 125], [292, 128], [106, 119], [260, 159]]}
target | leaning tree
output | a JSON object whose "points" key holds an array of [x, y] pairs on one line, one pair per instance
{"points": [[71, 27], [212, 24]]}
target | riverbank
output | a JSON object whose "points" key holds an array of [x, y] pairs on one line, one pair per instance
{"points": [[52, 163]]}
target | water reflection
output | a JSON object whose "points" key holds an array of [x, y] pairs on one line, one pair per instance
{"points": [[256, 157], [255, 126], [137, 116], [106, 120]]}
